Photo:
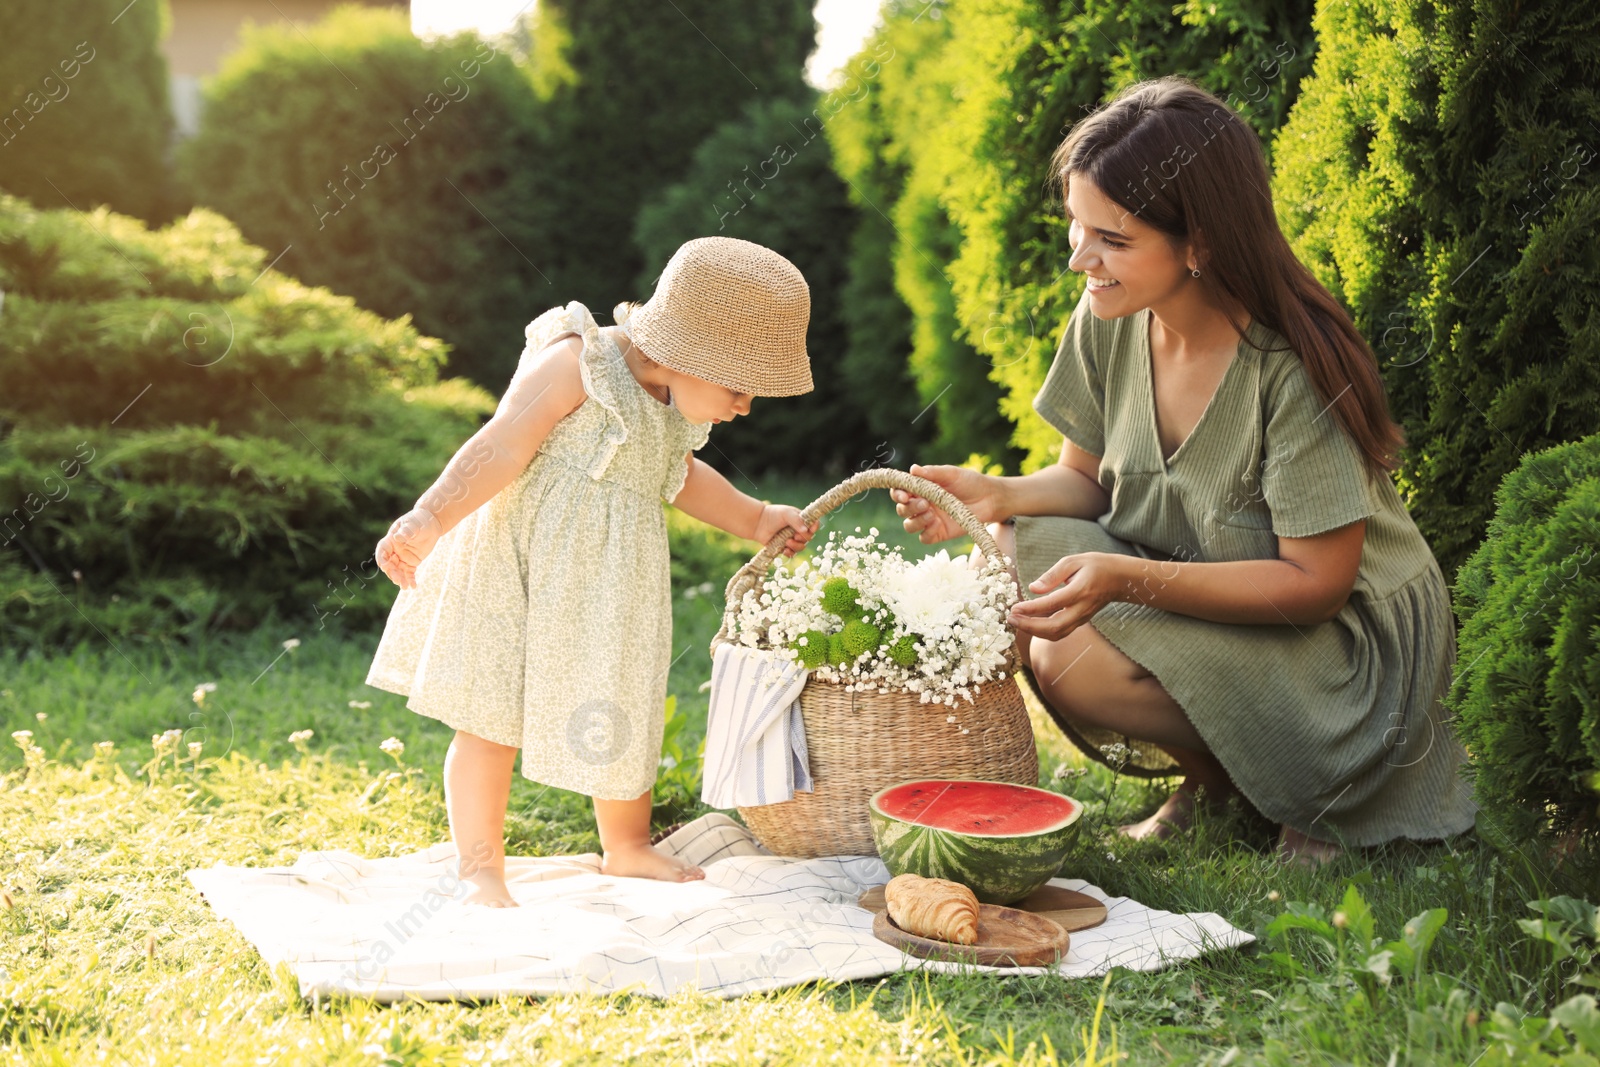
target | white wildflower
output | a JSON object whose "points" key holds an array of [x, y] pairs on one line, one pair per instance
{"points": [[291, 644], [393, 747], [300, 736], [202, 690], [361, 705]]}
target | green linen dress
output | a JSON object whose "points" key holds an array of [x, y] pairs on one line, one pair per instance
{"points": [[1335, 729], [543, 620]]}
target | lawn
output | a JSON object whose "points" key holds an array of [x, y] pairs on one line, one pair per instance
{"points": [[108, 954]]}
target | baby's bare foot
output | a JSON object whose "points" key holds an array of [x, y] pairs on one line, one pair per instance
{"points": [[489, 889], [646, 861]]}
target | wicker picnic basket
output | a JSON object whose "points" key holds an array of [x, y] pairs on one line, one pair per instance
{"points": [[859, 743]]}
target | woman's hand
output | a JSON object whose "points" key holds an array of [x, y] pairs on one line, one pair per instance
{"points": [[775, 517], [409, 540], [980, 492], [1074, 589]]}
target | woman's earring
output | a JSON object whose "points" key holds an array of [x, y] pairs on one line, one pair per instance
{"points": [[1195, 272]]}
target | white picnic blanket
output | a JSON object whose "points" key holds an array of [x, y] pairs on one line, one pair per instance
{"points": [[394, 928]]}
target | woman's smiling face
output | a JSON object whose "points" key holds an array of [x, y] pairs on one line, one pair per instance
{"points": [[1129, 265]]}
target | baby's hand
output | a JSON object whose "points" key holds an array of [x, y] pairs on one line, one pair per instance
{"points": [[408, 542], [775, 517]]}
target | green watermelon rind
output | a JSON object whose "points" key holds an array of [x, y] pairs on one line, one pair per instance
{"points": [[1000, 869]]}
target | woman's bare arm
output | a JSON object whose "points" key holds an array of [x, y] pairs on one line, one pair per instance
{"points": [[1309, 584], [1069, 487]]}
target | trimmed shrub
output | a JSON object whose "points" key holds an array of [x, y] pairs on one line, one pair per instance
{"points": [[403, 173], [190, 441], [1438, 174], [84, 115], [1021, 72], [790, 200], [632, 90], [882, 146], [1527, 690]]}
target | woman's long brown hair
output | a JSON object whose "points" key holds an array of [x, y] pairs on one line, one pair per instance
{"points": [[1184, 163]]}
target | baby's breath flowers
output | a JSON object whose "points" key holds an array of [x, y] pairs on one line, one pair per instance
{"points": [[394, 748], [861, 615]]}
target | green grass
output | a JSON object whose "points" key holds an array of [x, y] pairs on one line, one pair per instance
{"points": [[108, 955]]}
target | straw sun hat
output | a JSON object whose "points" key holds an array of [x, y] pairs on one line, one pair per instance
{"points": [[730, 312]]}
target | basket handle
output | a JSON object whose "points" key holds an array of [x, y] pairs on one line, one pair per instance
{"points": [[750, 575]]}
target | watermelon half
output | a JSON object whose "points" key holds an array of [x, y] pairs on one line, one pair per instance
{"points": [[1002, 840]]}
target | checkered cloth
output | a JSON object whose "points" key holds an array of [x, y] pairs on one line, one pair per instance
{"points": [[394, 928]]}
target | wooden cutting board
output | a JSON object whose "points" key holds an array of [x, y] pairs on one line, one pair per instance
{"points": [[1068, 908], [1006, 938]]}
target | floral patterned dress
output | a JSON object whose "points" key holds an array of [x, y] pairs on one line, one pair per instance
{"points": [[543, 620]]}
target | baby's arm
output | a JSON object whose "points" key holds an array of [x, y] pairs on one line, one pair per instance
{"points": [[710, 497], [538, 398]]}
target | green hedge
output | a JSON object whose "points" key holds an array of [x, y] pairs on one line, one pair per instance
{"points": [[1527, 689], [84, 115], [405, 174], [1438, 175], [791, 201], [188, 440], [1021, 72], [631, 90]]}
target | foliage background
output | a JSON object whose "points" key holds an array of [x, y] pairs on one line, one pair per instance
{"points": [[386, 169], [190, 441], [84, 118]]}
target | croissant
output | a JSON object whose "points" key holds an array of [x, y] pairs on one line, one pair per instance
{"points": [[933, 907]]}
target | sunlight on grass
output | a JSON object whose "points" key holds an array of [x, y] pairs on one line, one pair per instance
{"points": [[107, 954], [107, 946]]}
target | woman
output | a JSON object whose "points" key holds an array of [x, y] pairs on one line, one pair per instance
{"points": [[1264, 616]]}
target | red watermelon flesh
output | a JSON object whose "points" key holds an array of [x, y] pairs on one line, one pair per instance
{"points": [[1002, 840], [994, 809]]}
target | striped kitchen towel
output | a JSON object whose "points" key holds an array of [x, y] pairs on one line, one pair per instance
{"points": [[755, 738]]}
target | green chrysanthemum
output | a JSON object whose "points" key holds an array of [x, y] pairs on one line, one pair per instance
{"points": [[859, 636], [904, 651], [812, 647], [841, 598], [837, 656]]}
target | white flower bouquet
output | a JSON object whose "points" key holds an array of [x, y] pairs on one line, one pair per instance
{"points": [[861, 615]]}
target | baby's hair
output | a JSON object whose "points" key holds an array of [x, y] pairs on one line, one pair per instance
{"points": [[623, 311]]}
